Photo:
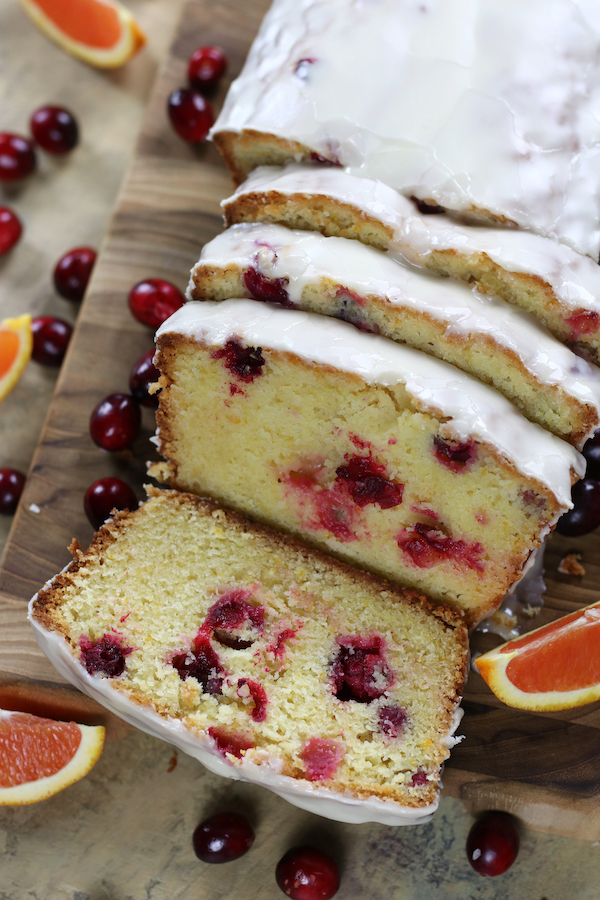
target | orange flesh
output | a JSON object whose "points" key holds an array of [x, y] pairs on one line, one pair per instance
{"points": [[9, 349], [89, 22], [564, 656], [33, 748]]}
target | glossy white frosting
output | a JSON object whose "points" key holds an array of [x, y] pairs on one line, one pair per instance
{"points": [[470, 409], [322, 802], [304, 257], [574, 278], [470, 103]]}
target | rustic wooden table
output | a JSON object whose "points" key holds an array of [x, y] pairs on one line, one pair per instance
{"points": [[125, 830]]}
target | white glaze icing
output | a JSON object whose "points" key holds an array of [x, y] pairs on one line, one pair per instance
{"points": [[322, 802], [305, 257], [472, 409], [470, 103], [574, 278]]}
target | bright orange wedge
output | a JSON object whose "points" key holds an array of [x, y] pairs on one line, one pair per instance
{"points": [[554, 667], [39, 757], [100, 32], [16, 342]]}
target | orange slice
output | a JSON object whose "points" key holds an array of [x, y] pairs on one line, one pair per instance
{"points": [[554, 667], [16, 343], [100, 32], [39, 757]]}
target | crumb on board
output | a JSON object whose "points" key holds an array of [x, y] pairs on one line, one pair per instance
{"points": [[571, 565], [531, 611]]}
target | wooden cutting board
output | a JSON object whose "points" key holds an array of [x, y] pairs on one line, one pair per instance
{"points": [[544, 768]]}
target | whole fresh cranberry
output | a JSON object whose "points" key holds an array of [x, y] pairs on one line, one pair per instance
{"points": [[10, 229], [205, 67], [55, 129], [51, 337], [191, 115], [153, 300], [493, 843], [17, 157], [73, 271], [12, 483], [143, 374], [105, 495], [305, 873], [585, 514], [591, 451], [223, 838], [115, 422]]}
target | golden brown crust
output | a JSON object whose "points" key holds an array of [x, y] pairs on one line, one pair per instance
{"points": [[294, 211]]}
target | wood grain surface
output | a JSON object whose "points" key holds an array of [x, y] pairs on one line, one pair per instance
{"points": [[545, 768]]}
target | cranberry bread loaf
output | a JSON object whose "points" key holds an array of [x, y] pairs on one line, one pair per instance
{"points": [[483, 336], [550, 280], [267, 661], [486, 109], [391, 459]]}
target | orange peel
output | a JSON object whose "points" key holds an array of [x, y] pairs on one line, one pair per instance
{"points": [[554, 667], [102, 33], [40, 757], [16, 344]]}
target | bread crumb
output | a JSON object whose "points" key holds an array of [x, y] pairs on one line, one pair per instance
{"points": [[571, 565]]}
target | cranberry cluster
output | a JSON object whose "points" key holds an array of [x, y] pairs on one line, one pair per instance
{"points": [[116, 420], [190, 113], [304, 873], [55, 130]]}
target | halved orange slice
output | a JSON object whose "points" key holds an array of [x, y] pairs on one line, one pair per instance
{"points": [[100, 32], [39, 757], [16, 343], [554, 667]]}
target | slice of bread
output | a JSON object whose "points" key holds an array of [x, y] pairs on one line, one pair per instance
{"points": [[549, 280], [387, 457], [265, 660], [483, 336]]}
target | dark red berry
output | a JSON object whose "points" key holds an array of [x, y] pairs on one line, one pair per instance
{"points": [[229, 741], [244, 362], [54, 129], [591, 451], [366, 482], [359, 671], [73, 271], [153, 300], [17, 157], [246, 687], [392, 720], [115, 422], [106, 656], [191, 115], [202, 663], [234, 622], [428, 209], [143, 374], [305, 873], [12, 483], [223, 838], [493, 843], [105, 495], [585, 515], [453, 454], [271, 290], [51, 338], [321, 758], [428, 546], [10, 229], [206, 66]]}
